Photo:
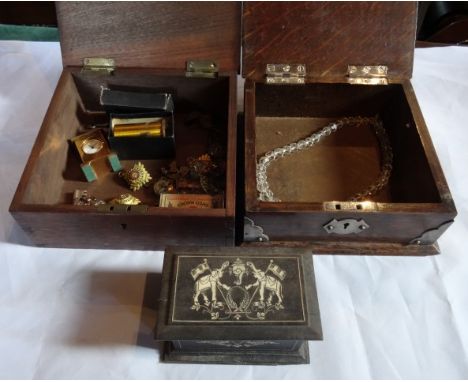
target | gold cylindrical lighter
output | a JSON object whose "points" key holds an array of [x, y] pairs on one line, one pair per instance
{"points": [[154, 127]]}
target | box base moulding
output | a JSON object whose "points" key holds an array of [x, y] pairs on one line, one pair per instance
{"points": [[243, 355]]}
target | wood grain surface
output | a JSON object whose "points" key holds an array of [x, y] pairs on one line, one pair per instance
{"points": [[54, 226], [354, 248], [160, 35], [329, 36]]}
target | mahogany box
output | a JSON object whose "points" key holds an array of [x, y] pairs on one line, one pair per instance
{"points": [[188, 49], [306, 65], [309, 64]]}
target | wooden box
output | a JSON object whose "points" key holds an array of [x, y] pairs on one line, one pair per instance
{"points": [[308, 64], [238, 306], [150, 44]]}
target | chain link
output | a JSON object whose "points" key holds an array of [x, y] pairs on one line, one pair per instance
{"points": [[263, 188]]}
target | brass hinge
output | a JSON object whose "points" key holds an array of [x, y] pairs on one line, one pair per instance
{"points": [[99, 64], [367, 74], [285, 73], [203, 69]]}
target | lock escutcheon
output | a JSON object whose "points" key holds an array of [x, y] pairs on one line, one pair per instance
{"points": [[346, 226]]}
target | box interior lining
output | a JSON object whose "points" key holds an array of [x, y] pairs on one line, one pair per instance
{"points": [[348, 161], [56, 172]]}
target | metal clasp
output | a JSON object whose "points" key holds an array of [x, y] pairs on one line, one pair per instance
{"points": [[285, 74], [367, 74], [123, 209], [202, 69]]}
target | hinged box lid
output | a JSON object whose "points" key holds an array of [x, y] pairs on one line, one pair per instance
{"points": [[327, 37], [238, 294], [163, 35]]}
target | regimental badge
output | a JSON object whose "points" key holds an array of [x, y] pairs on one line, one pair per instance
{"points": [[136, 177]]}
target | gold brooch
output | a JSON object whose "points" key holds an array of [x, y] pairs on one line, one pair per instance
{"points": [[126, 199], [136, 177]]}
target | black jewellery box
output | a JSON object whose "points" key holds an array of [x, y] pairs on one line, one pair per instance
{"points": [[129, 109], [238, 306]]}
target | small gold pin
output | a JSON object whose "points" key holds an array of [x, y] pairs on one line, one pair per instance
{"points": [[126, 199]]}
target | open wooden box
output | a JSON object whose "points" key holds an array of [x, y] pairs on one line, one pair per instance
{"points": [[415, 207], [150, 44]]}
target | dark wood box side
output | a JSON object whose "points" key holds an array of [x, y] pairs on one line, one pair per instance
{"points": [[363, 248], [433, 160], [231, 164], [57, 103], [384, 227], [119, 231]]}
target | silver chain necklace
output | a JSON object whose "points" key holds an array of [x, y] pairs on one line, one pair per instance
{"points": [[264, 192]]}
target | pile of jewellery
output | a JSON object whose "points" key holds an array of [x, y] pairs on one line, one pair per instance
{"points": [[82, 198], [201, 175], [266, 194]]}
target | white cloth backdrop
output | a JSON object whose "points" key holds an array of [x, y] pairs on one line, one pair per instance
{"points": [[81, 313]]}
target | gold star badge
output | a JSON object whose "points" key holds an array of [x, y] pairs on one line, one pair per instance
{"points": [[136, 177]]}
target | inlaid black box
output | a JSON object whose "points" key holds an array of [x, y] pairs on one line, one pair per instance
{"points": [[238, 306]]}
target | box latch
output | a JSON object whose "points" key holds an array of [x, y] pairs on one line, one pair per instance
{"points": [[367, 74], [201, 69], [140, 209], [285, 73], [99, 64]]}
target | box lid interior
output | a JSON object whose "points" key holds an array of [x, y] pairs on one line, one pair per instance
{"points": [[161, 35], [329, 36], [260, 294]]}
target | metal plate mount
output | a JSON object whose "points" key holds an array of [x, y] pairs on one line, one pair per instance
{"points": [[431, 235], [253, 232], [346, 226]]}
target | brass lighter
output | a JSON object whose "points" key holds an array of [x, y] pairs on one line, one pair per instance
{"points": [[137, 127]]}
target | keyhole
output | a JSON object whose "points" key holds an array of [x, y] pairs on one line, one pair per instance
{"points": [[345, 225], [124, 226]]}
